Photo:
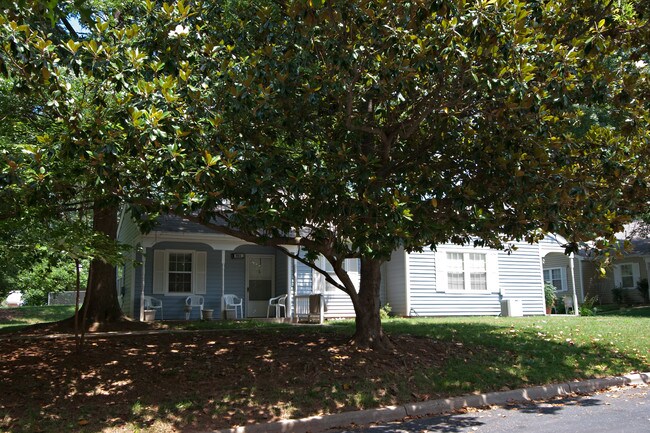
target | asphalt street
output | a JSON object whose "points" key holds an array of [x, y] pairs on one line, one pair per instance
{"points": [[624, 410]]}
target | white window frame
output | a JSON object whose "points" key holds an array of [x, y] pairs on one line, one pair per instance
{"points": [[563, 279], [160, 283], [169, 272], [618, 274], [491, 270], [349, 266]]}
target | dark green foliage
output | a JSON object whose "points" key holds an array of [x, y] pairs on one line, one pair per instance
{"points": [[618, 296], [642, 286], [353, 128]]}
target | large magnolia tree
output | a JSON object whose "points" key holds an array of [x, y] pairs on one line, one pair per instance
{"points": [[58, 192], [353, 128]]}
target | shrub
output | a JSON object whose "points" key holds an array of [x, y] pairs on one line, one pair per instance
{"points": [[587, 308], [617, 295], [384, 311], [642, 286]]}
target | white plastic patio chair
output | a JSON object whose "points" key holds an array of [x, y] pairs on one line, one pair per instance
{"points": [[195, 301], [568, 303], [232, 303], [279, 302], [151, 303]]}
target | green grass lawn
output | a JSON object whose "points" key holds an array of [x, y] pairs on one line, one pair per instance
{"points": [[523, 351], [515, 352], [13, 319]]}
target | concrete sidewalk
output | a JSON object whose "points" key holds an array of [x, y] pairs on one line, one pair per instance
{"points": [[317, 424]]}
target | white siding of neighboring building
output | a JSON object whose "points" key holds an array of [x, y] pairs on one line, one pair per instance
{"points": [[427, 299], [394, 279], [337, 302], [304, 279], [422, 280], [520, 277]]}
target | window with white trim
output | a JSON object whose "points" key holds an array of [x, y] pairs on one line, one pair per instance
{"points": [[627, 275], [477, 271], [351, 266], [461, 271], [455, 271], [179, 272], [556, 277]]}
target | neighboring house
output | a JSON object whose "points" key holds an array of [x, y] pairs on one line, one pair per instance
{"points": [[565, 273], [457, 280], [624, 273], [180, 258]]}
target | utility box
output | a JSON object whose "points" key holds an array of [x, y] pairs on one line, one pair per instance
{"points": [[512, 308]]}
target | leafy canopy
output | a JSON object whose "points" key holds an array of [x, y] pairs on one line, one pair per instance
{"points": [[357, 127]]}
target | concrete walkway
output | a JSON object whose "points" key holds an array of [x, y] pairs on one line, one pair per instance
{"points": [[317, 424]]}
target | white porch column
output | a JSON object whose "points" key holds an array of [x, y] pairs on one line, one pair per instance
{"points": [[143, 269], [573, 284], [290, 276]]}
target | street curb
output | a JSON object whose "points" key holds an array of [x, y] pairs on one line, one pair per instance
{"points": [[317, 424]]}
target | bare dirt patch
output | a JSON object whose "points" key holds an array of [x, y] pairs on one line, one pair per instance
{"points": [[193, 381]]}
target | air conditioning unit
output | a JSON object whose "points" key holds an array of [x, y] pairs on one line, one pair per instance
{"points": [[512, 308]]}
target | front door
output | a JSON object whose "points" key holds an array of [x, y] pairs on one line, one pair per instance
{"points": [[260, 283]]}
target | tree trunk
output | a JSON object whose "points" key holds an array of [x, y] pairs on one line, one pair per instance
{"points": [[101, 304], [369, 333]]}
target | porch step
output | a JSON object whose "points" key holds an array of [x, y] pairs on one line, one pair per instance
{"points": [[272, 319]]}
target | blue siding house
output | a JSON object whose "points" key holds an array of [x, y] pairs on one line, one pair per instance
{"points": [[179, 258]]}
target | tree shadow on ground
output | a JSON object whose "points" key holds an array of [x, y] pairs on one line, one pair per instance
{"points": [[206, 380]]}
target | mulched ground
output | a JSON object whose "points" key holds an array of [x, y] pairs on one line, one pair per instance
{"points": [[196, 381]]}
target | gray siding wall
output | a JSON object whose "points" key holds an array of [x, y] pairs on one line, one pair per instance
{"points": [[394, 277], [282, 280], [520, 277], [129, 285], [129, 234], [137, 287]]}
